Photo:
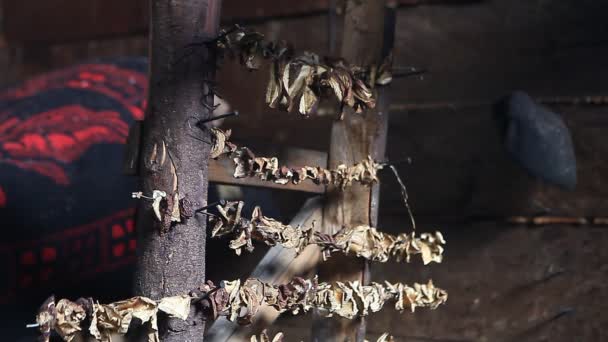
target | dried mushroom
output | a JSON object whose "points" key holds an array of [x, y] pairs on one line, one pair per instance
{"points": [[348, 300], [265, 338], [238, 302], [69, 315], [168, 208], [361, 241], [45, 319], [385, 338], [369, 243], [299, 82], [221, 144], [67, 318], [268, 169]]}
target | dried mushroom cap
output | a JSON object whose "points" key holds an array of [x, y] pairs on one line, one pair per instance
{"points": [[69, 315], [141, 308], [176, 306], [385, 338], [264, 337], [421, 295], [430, 247], [108, 320], [46, 318], [157, 197], [168, 208], [221, 144]]}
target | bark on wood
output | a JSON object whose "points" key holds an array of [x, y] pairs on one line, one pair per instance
{"points": [[173, 262], [352, 140]]}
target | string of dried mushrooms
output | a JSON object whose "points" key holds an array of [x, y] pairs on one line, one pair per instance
{"points": [[268, 169], [263, 337], [173, 207], [299, 81], [69, 318], [240, 301], [360, 241], [237, 301]]}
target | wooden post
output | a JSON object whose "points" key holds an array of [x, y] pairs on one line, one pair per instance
{"points": [[352, 140], [172, 262]]}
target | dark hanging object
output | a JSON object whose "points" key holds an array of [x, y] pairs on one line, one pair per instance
{"points": [[537, 139]]}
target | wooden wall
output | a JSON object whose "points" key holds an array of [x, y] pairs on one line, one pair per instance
{"points": [[500, 277], [506, 282]]}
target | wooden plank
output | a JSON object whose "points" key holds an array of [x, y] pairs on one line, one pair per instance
{"points": [[352, 140]]}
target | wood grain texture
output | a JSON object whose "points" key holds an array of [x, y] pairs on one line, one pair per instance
{"points": [[352, 140], [172, 261]]}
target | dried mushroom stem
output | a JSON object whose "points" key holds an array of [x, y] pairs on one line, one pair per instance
{"points": [[168, 208], [268, 169], [361, 241], [238, 302], [299, 82]]}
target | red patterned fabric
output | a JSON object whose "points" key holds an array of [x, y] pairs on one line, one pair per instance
{"points": [[64, 205], [61, 135]]}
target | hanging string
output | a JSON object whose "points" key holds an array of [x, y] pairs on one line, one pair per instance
{"points": [[404, 194]]}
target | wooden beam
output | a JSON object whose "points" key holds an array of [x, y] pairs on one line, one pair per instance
{"points": [[352, 140]]}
